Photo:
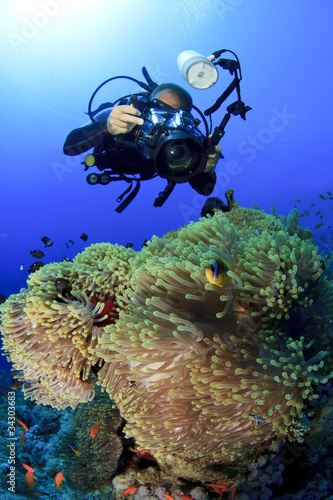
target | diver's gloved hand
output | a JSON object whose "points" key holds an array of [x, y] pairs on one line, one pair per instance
{"points": [[213, 156], [123, 119]]}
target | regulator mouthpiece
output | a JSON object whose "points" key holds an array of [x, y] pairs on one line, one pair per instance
{"points": [[197, 69]]}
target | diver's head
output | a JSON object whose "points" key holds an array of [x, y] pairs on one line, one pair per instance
{"points": [[173, 95]]}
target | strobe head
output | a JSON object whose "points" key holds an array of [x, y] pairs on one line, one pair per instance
{"points": [[197, 69]]}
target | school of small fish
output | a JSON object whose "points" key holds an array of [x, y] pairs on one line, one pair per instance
{"points": [[60, 477]]}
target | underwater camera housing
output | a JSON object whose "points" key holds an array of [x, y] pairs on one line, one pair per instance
{"points": [[170, 138]]}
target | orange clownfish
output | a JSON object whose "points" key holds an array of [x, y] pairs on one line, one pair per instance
{"points": [[59, 478], [95, 428], [216, 273]]}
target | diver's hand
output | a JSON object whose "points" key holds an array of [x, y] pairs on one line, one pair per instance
{"points": [[213, 156], [123, 119]]}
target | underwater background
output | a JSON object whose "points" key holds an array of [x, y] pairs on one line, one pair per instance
{"points": [[54, 53]]}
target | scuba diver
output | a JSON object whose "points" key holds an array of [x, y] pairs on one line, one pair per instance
{"points": [[121, 120], [153, 133]]}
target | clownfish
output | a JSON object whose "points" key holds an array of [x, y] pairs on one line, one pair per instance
{"points": [[216, 273]]}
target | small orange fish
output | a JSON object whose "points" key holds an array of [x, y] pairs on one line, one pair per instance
{"points": [[305, 213], [29, 469], [23, 425], [143, 453], [22, 438], [139, 451], [318, 226], [127, 492], [234, 494], [220, 487], [30, 479], [319, 212], [322, 197], [329, 193], [168, 497], [94, 429], [59, 478], [216, 273]]}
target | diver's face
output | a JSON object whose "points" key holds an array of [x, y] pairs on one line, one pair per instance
{"points": [[168, 98]]}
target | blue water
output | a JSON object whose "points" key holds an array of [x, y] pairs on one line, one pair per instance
{"points": [[55, 53]]}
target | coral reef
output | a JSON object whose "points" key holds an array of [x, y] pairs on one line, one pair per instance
{"points": [[201, 373]]}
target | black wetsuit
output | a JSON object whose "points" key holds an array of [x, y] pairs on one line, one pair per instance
{"points": [[126, 161]]}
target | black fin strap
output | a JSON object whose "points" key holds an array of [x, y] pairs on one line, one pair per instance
{"points": [[129, 198]]}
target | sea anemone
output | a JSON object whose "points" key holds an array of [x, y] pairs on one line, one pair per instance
{"points": [[194, 368]]}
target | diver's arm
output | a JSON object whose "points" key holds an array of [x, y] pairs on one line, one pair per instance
{"points": [[81, 139], [203, 183]]}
